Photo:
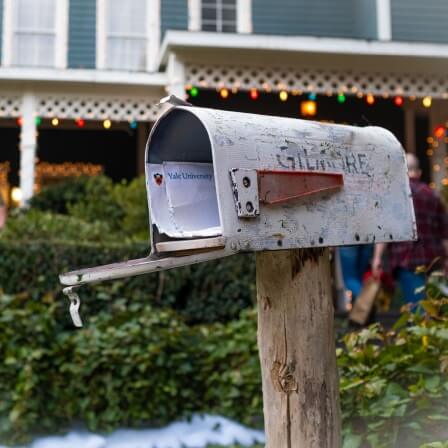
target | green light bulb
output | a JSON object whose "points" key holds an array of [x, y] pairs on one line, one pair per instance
{"points": [[341, 98]]}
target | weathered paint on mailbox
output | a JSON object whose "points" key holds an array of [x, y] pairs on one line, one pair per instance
{"points": [[373, 205], [371, 202]]}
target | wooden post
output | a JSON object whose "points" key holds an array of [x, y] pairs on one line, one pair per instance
{"points": [[297, 349]]}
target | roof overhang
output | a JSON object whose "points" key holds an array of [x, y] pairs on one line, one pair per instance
{"points": [[81, 77], [225, 47]]}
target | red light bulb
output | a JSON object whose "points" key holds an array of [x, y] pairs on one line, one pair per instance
{"points": [[398, 100], [440, 131], [254, 94]]}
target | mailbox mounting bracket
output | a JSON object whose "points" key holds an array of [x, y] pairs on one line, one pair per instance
{"points": [[245, 192]]}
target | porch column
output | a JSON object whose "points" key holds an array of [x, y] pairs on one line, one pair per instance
{"points": [[409, 129], [142, 137], [28, 145], [437, 162], [176, 76]]}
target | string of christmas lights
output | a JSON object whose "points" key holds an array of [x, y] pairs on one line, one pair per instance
{"points": [[309, 106], [284, 95], [79, 122]]}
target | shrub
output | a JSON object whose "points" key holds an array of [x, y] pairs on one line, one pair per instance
{"points": [[129, 366], [231, 369], [394, 384], [209, 292], [99, 204], [133, 364], [55, 198], [121, 207], [39, 225], [132, 199]]}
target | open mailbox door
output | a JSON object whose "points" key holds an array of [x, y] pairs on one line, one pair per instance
{"points": [[221, 182]]}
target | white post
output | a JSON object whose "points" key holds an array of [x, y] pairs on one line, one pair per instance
{"points": [[176, 76], [28, 144], [244, 16], [8, 29], [153, 33], [194, 15], [383, 20], [61, 53]]}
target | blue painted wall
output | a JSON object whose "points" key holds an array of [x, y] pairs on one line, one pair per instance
{"points": [[174, 15], [329, 18], [366, 19], [420, 20], [82, 34]]}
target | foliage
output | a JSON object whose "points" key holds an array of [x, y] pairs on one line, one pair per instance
{"points": [[134, 364], [120, 208], [55, 198], [98, 204], [209, 292], [40, 225], [132, 199], [232, 369], [34, 266], [131, 365], [394, 384]]}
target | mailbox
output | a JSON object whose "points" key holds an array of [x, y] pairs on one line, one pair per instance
{"points": [[221, 182]]}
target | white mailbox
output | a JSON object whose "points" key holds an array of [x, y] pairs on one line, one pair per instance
{"points": [[220, 183]]}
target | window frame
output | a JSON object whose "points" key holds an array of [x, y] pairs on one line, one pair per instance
{"points": [[152, 36], [60, 34], [219, 6], [243, 16]]}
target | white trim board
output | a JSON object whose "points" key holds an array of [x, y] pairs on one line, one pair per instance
{"points": [[79, 76], [175, 40]]}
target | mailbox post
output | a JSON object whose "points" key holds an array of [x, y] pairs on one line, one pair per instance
{"points": [[220, 183]]}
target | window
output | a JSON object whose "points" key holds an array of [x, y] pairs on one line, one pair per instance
{"points": [[126, 35], [219, 15], [35, 33]]}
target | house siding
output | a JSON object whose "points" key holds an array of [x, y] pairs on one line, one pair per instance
{"points": [[417, 20], [174, 15], [327, 18], [366, 19], [82, 34]]}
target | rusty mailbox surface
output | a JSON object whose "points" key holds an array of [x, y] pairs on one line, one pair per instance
{"points": [[222, 182]]}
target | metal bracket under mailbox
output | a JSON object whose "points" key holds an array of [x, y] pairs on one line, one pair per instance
{"points": [[245, 192]]}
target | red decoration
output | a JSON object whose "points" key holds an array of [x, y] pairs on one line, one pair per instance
{"points": [[440, 131], [80, 123], [254, 94], [398, 100]]}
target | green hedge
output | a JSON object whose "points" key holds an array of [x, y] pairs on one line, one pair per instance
{"points": [[130, 365], [208, 292], [122, 207], [135, 365]]}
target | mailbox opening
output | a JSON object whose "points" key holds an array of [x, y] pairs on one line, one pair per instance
{"points": [[181, 185]]}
